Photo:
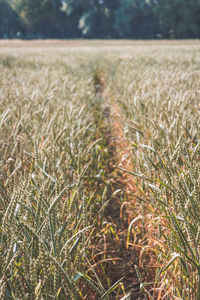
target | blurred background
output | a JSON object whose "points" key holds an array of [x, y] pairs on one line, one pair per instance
{"points": [[100, 19]]}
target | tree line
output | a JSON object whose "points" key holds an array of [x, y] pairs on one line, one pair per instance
{"points": [[134, 19]]}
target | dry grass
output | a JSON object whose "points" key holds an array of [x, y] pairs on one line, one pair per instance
{"points": [[65, 207]]}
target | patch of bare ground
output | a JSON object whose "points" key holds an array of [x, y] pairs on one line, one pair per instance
{"points": [[118, 209], [120, 260], [126, 247], [136, 264]]}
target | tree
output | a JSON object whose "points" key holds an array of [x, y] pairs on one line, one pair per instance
{"points": [[135, 19], [100, 18], [42, 17], [97, 19], [179, 18], [73, 11], [10, 23]]}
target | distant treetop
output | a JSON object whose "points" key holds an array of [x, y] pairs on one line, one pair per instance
{"points": [[134, 19]]}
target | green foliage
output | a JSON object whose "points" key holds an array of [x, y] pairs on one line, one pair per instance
{"points": [[135, 19], [10, 23], [179, 19], [43, 18], [100, 18], [97, 18]]}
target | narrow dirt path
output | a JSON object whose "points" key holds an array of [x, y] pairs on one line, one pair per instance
{"points": [[120, 186]]}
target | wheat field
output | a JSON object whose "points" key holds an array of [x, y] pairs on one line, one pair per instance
{"points": [[100, 164]]}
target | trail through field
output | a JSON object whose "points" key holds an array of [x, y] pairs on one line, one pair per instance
{"points": [[100, 170], [121, 186]]}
